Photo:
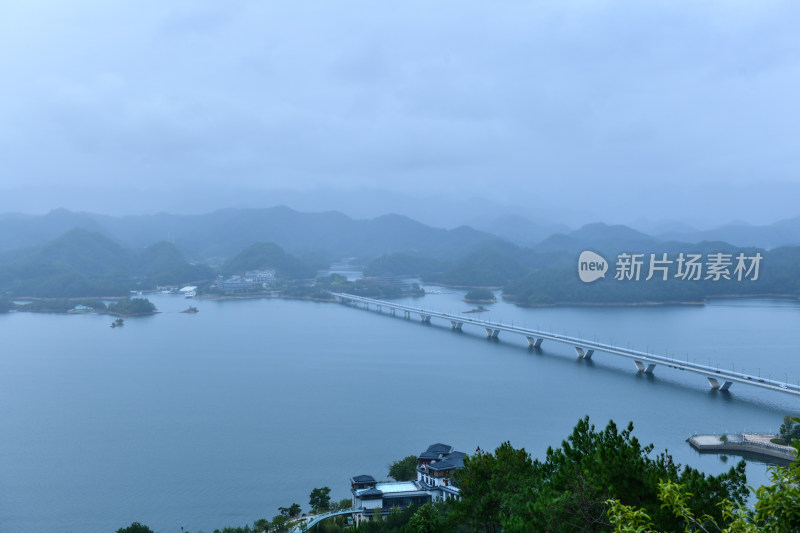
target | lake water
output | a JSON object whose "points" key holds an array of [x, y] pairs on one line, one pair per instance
{"points": [[217, 418]]}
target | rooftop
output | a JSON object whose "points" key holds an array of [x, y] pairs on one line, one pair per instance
{"points": [[452, 461], [400, 486], [435, 450]]}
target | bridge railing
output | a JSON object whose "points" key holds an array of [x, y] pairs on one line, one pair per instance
{"points": [[708, 371]]}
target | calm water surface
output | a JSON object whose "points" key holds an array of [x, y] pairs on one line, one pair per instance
{"points": [[218, 418]]}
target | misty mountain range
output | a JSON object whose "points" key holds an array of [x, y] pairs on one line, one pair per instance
{"points": [[67, 254], [225, 232]]}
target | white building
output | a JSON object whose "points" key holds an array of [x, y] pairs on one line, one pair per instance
{"points": [[435, 467]]}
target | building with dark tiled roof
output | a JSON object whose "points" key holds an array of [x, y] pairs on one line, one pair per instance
{"points": [[435, 466]]}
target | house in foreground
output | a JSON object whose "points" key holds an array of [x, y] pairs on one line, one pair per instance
{"points": [[435, 467]]}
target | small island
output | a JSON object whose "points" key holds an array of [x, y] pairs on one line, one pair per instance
{"points": [[131, 307], [191, 310], [483, 296]]}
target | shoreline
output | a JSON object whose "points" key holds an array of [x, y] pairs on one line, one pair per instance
{"points": [[507, 298]]}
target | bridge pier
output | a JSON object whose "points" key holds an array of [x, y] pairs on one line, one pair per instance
{"points": [[583, 355], [492, 333], [716, 386], [456, 325], [533, 342], [645, 369], [426, 319]]}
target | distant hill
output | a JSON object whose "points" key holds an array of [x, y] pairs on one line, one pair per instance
{"points": [[19, 231], [494, 264], [82, 263], [518, 229], [562, 285], [404, 264], [225, 232], [781, 233], [262, 255], [598, 236]]}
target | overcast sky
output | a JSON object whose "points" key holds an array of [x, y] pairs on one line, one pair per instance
{"points": [[605, 110]]}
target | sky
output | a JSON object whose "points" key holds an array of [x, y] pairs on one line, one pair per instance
{"points": [[566, 112]]}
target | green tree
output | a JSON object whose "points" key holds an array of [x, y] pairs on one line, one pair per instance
{"points": [[570, 489], [405, 469], [262, 524], [320, 499], [479, 295], [280, 524], [6, 305], [132, 306], [291, 511], [294, 510], [778, 505], [425, 520], [789, 430], [488, 484], [135, 527], [777, 509]]}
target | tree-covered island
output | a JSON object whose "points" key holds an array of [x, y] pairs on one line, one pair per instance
{"points": [[480, 296]]}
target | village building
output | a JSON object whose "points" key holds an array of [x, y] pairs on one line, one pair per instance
{"points": [[435, 468]]}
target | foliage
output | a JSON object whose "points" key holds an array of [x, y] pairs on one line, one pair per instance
{"points": [[488, 266], [163, 264], [405, 469], [265, 255], [341, 505], [560, 283], [135, 527], [363, 287], [488, 484], [479, 295], [131, 307], [629, 519], [291, 511], [569, 490], [6, 305], [778, 505], [404, 264], [60, 305], [320, 499], [81, 263], [777, 509], [790, 430], [425, 520]]}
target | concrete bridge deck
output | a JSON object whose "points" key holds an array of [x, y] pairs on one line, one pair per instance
{"points": [[718, 379]]}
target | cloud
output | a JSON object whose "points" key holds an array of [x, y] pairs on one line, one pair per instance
{"points": [[513, 100]]}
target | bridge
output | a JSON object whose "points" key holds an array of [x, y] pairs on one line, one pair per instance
{"points": [[308, 524], [646, 362]]}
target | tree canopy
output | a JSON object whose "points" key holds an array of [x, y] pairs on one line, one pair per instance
{"points": [[569, 489], [320, 499], [135, 527], [405, 469]]}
